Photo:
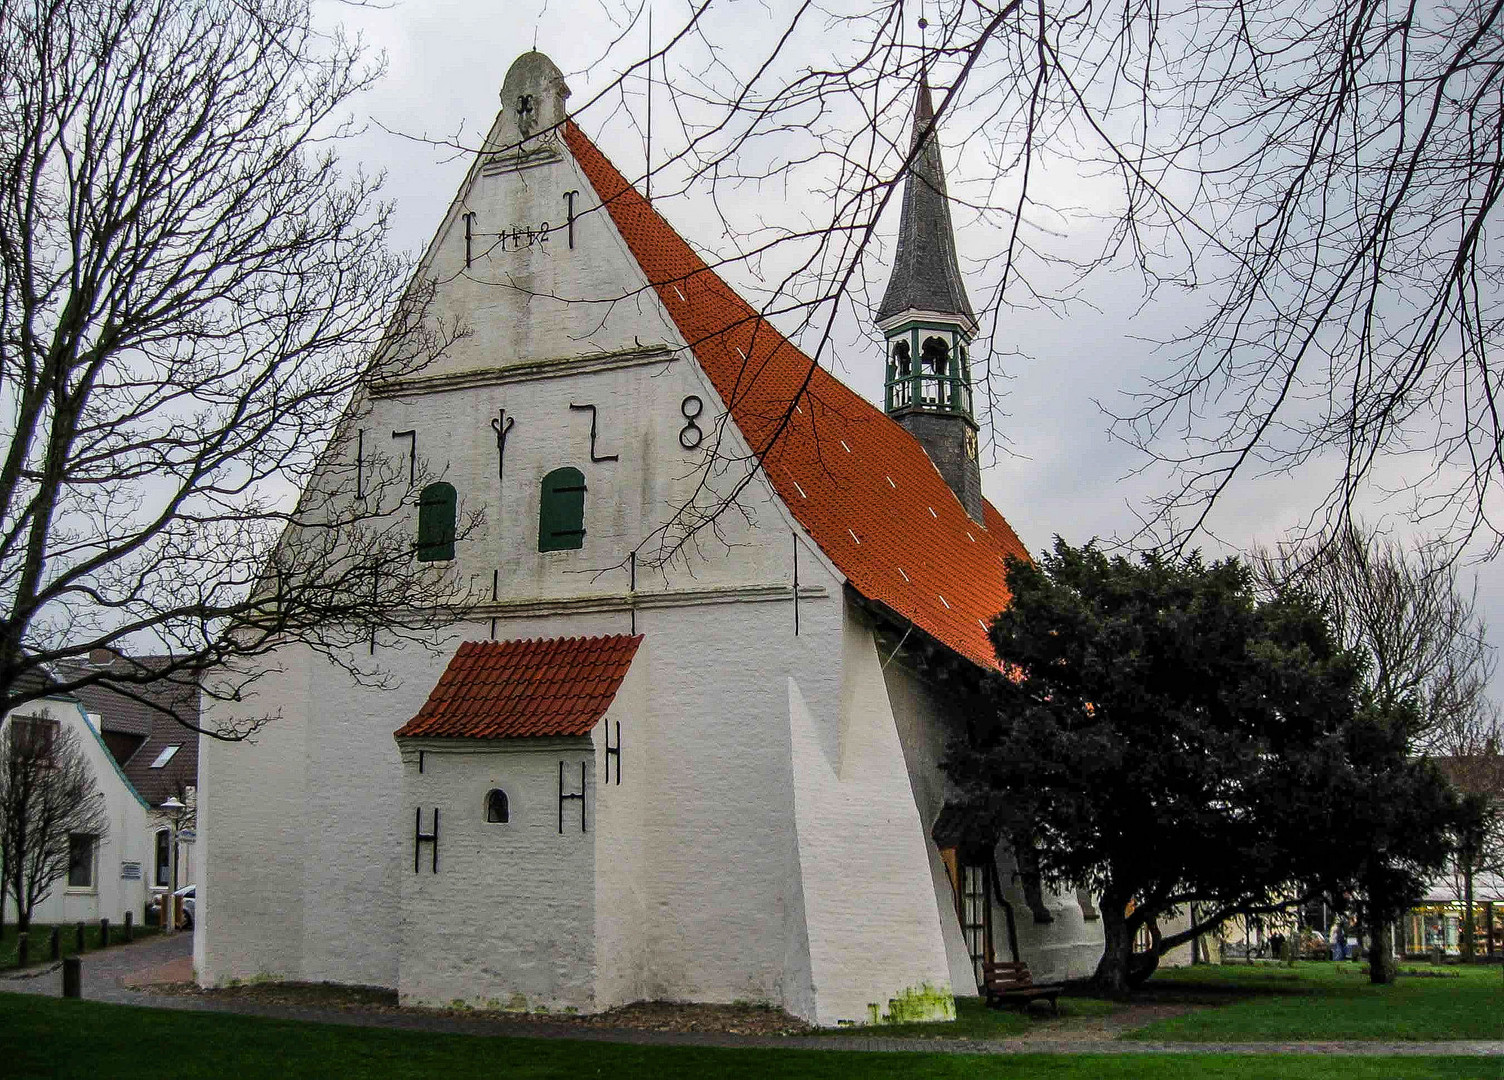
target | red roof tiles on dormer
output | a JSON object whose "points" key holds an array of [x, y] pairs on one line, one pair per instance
{"points": [[506, 689], [861, 485]]}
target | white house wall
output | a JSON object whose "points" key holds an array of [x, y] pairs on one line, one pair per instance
{"points": [[876, 950], [921, 724], [507, 920], [620, 869], [254, 830]]}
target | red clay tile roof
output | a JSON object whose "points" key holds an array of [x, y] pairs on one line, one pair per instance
{"points": [[859, 483], [505, 689]]}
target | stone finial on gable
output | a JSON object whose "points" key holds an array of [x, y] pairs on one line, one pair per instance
{"points": [[532, 97]]}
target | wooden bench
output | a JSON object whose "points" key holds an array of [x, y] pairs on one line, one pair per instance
{"points": [[1010, 984]]}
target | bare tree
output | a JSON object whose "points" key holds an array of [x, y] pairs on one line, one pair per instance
{"points": [[191, 291], [1407, 610], [1321, 181], [51, 813]]}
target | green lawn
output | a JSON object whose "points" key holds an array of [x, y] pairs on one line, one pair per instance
{"points": [[1316, 1001], [36, 945], [46, 1037]]}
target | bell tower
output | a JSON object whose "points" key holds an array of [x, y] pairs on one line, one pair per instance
{"points": [[927, 321]]}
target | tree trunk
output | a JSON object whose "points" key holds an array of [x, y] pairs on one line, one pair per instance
{"points": [[1468, 914], [1111, 977], [1381, 968], [23, 914]]}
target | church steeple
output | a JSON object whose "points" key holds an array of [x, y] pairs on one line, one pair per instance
{"points": [[927, 321], [926, 275]]}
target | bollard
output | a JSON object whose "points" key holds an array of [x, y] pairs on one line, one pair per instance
{"points": [[23, 939], [71, 976], [104, 932], [55, 943], [79, 928], [130, 929]]}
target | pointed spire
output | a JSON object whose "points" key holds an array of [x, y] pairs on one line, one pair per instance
{"points": [[926, 275]]}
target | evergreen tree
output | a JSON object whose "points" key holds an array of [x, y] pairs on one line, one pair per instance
{"points": [[1164, 737]]}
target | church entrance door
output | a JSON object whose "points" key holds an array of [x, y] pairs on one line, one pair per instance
{"points": [[976, 915]]}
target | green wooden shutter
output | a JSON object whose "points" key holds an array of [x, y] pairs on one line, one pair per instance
{"points": [[436, 523], [561, 511]]}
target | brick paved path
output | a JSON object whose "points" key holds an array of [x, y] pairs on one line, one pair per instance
{"points": [[106, 976]]}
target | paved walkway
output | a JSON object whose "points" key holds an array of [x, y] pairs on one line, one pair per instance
{"points": [[107, 977]]}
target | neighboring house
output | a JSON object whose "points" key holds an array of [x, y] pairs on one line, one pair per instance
{"points": [[108, 874], [142, 757], [713, 780], [158, 755]]}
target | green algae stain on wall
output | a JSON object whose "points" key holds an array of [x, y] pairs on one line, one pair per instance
{"points": [[922, 1004]]}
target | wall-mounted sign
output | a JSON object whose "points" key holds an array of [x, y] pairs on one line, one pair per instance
{"points": [[130, 871]]}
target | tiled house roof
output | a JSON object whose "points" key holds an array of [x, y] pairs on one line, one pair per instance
{"points": [[860, 484], [505, 689], [136, 716]]}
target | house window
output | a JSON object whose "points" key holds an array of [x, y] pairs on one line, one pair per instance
{"points": [[436, 523], [166, 755], [497, 811], [81, 848], [32, 738], [164, 858], [561, 512]]}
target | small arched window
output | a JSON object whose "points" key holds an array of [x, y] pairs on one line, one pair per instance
{"points": [[436, 523], [935, 355], [497, 810], [561, 511], [901, 359]]}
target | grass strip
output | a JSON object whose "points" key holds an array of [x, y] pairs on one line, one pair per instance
{"points": [[47, 1037], [1318, 1002]]}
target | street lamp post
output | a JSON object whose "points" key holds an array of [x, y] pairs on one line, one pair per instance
{"points": [[174, 808]]}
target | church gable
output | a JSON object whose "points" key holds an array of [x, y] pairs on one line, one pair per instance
{"points": [[523, 260], [570, 416]]}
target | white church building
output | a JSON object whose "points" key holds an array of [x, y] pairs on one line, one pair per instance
{"points": [[714, 781]]}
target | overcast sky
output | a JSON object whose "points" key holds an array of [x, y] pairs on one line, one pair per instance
{"points": [[1062, 472]]}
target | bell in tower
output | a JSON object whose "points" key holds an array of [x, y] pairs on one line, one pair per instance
{"points": [[927, 321]]}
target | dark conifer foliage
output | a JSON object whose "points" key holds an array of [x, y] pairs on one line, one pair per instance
{"points": [[1166, 738]]}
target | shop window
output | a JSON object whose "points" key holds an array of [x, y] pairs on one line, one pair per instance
{"points": [[436, 513], [561, 512]]}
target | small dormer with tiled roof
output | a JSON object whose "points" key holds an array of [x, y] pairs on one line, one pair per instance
{"points": [[927, 321]]}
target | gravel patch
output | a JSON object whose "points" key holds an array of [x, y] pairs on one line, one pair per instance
{"points": [[638, 1016]]}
